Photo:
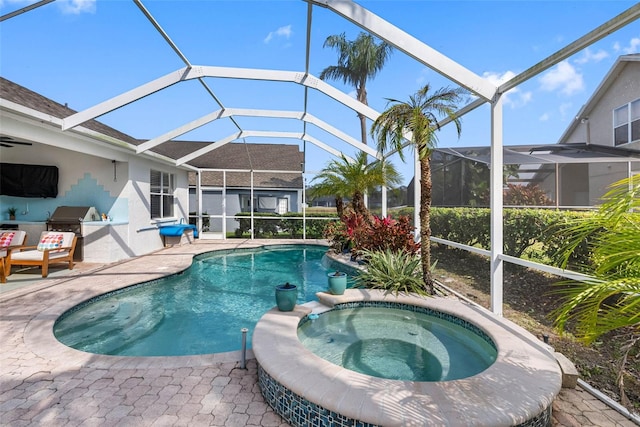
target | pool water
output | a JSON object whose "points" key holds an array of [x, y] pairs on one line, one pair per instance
{"points": [[397, 344], [200, 311]]}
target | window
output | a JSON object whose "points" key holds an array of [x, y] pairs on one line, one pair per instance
{"points": [[162, 188], [626, 123]]}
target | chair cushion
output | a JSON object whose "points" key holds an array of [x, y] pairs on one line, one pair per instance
{"points": [[36, 255], [50, 241], [6, 237]]}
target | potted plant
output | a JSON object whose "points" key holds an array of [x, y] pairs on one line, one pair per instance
{"points": [[337, 282], [12, 213], [286, 296]]}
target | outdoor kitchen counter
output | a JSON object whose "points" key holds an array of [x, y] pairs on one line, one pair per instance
{"points": [[104, 241]]}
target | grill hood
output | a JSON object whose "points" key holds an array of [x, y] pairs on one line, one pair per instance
{"points": [[74, 214]]}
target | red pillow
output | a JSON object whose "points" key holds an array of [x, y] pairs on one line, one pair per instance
{"points": [[6, 238]]}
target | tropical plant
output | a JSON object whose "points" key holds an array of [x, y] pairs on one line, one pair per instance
{"points": [[337, 235], [392, 271], [611, 299], [345, 178], [526, 195], [418, 121], [395, 235], [358, 61]]}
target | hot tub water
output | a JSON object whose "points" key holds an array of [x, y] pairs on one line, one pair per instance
{"points": [[397, 344]]}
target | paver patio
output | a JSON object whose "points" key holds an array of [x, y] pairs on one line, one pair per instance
{"points": [[43, 382]]}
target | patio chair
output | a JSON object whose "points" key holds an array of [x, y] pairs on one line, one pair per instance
{"points": [[9, 239], [54, 247]]}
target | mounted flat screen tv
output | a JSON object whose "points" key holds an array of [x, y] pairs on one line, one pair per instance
{"points": [[28, 180]]}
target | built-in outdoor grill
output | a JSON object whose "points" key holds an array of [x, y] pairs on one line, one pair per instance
{"points": [[70, 218]]}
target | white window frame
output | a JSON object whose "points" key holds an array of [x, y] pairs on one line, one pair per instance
{"points": [[282, 207], [630, 121], [162, 194]]}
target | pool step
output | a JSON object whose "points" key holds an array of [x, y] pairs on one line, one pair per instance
{"points": [[131, 319]]}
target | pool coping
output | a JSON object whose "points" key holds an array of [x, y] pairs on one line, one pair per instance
{"points": [[522, 382]]}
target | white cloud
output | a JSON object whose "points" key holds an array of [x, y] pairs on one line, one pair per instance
{"points": [[616, 46], [76, 7], [634, 46], [67, 7], [564, 78], [588, 56], [521, 98], [564, 107], [280, 32], [544, 117]]}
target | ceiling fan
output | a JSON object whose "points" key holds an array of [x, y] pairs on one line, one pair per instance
{"points": [[7, 141]]}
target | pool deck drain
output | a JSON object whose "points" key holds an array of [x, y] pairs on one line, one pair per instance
{"points": [[43, 383]]}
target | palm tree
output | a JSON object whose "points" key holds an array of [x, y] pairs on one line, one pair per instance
{"points": [[418, 118], [358, 61], [344, 178], [611, 299]]}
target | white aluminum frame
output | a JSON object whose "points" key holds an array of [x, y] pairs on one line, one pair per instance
{"points": [[368, 21]]}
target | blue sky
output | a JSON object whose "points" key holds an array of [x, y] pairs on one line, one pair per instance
{"points": [[85, 52]]}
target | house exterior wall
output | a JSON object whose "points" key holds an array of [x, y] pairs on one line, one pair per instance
{"points": [[574, 184], [595, 126], [212, 203], [87, 177], [624, 88], [84, 180], [601, 176], [145, 237]]}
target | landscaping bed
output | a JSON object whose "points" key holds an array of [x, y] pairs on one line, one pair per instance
{"points": [[529, 301]]}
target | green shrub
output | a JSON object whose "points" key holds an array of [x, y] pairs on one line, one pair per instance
{"points": [[392, 271], [530, 232]]}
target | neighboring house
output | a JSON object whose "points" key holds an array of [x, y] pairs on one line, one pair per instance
{"points": [[97, 167], [277, 179], [599, 147], [610, 118]]}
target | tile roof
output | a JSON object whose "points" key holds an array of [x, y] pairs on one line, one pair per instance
{"points": [[241, 156], [254, 156], [21, 95]]}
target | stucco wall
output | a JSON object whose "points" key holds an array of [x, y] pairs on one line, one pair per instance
{"points": [[595, 126], [624, 89], [84, 180], [144, 237]]}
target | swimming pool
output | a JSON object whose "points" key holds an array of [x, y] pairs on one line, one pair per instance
{"points": [[199, 311]]}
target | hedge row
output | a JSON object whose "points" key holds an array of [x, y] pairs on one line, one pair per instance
{"points": [[530, 231], [283, 226]]}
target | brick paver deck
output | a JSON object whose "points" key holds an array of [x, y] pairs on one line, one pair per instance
{"points": [[43, 383]]}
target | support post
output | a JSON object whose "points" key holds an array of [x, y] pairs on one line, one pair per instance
{"points": [[224, 206], [199, 202], [384, 201], [416, 194], [252, 207], [497, 224]]}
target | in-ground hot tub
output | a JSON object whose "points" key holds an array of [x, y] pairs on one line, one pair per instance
{"points": [[398, 342], [517, 389]]}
